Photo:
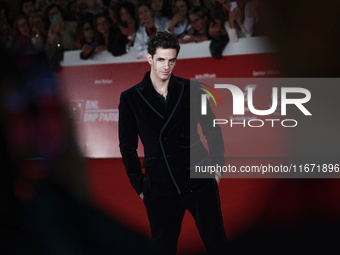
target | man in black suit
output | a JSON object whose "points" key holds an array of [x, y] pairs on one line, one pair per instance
{"points": [[158, 111]]}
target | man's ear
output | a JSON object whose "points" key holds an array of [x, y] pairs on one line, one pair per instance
{"points": [[149, 57]]}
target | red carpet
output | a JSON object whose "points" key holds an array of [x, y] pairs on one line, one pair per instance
{"points": [[245, 202]]}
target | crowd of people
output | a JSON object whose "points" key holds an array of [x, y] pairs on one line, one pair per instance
{"points": [[55, 26]]}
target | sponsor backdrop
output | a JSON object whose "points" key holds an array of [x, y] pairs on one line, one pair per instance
{"points": [[93, 93]]}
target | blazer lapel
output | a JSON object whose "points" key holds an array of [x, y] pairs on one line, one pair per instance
{"points": [[175, 93], [149, 95]]}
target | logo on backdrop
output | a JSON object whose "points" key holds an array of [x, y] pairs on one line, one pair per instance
{"points": [[278, 105], [88, 111]]}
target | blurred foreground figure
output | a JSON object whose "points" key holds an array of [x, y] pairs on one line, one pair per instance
{"points": [[43, 193], [304, 214]]}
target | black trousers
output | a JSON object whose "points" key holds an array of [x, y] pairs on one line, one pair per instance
{"points": [[166, 214]]}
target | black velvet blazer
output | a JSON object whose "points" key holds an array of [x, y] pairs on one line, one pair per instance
{"points": [[164, 130]]}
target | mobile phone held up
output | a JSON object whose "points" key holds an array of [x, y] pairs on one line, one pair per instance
{"points": [[54, 19], [233, 5]]}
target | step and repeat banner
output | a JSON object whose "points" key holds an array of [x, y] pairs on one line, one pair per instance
{"points": [[92, 89]]}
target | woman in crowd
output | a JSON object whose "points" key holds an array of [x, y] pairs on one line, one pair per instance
{"points": [[202, 28], [108, 37], [230, 15], [85, 39], [38, 24], [148, 26], [6, 30], [39, 28], [102, 29], [112, 13], [161, 10], [180, 22], [22, 34], [126, 21], [61, 35]]}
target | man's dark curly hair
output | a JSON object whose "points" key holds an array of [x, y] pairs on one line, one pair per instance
{"points": [[163, 40]]}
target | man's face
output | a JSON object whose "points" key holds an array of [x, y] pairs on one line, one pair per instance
{"points": [[144, 14], [102, 25], [162, 63], [28, 8], [181, 7], [124, 15], [39, 24], [23, 27], [197, 22]]}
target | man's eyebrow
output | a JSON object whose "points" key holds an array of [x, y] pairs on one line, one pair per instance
{"points": [[160, 58]]}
